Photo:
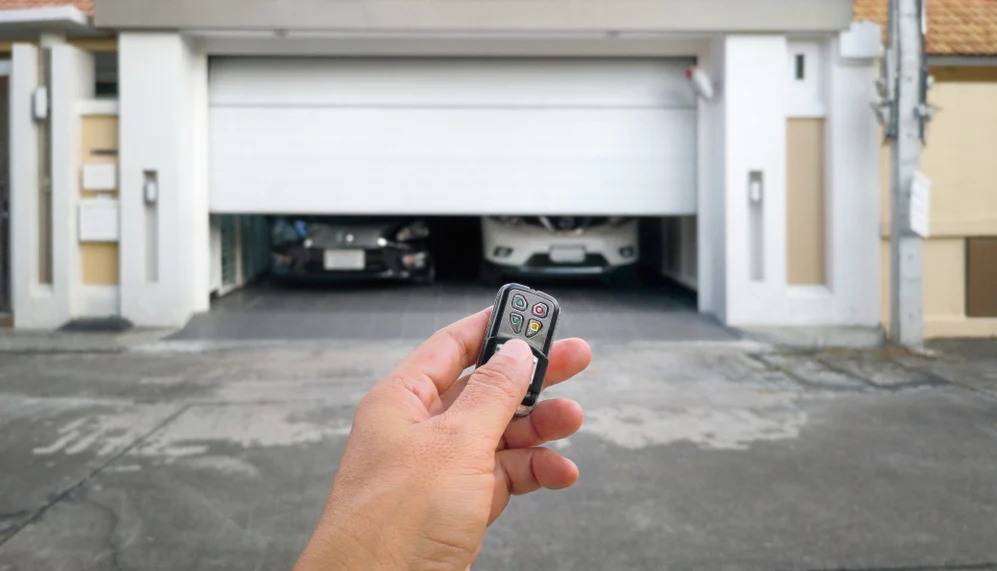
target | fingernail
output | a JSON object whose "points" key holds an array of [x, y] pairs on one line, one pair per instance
{"points": [[517, 349]]}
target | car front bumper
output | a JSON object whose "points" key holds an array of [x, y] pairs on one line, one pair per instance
{"points": [[527, 250], [379, 263], [540, 265]]}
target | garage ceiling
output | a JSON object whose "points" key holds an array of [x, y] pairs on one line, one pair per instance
{"points": [[459, 136]]}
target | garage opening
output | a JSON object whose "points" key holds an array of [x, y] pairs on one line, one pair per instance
{"points": [[490, 161], [654, 301]]}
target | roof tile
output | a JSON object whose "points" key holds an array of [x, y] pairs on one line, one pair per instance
{"points": [[955, 27], [85, 6]]}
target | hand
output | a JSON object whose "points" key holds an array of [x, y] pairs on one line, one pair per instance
{"points": [[432, 460]]}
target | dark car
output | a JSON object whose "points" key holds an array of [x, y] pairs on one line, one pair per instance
{"points": [[351, 248]]}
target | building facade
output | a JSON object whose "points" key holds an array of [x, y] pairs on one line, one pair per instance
{"points": [[226, 110]]}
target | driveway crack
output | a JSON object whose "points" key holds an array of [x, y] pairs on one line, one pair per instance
{"points": [[58, 497]]}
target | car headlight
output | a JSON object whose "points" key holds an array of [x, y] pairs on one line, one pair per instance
{"points": [[414, 231]]}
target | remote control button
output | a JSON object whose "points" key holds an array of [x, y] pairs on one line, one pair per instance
{"points": [[540, 310], [516, 320], [519, 302], [533, 328]]}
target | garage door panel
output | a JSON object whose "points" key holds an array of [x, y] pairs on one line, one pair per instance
{"points": [[479, 161], [317, 82], [491, 150], [284, 135]]}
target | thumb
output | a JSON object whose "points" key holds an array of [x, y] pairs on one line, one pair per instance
{"points": [[493, 391]]}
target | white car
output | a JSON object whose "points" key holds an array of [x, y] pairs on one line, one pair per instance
{"points": [[559, 245]]}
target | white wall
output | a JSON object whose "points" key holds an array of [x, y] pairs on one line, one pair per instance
{"points": [[755, 87], [757, 104], [35, 305], [72, 81], [164, 247], [711, 225], [854, 148]]}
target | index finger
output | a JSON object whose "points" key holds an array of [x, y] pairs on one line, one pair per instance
{"points": [[447, 353]]}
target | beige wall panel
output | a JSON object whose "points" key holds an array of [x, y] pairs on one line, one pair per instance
{"points": [[884, 190], [88, 44], [100, 134], [99, 261], [962, 141], [884, 283], [944, 278], [960, 155], [805, 262], [96, 44]]}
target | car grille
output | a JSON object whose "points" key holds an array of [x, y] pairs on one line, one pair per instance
{"points": [[544, 261], [343, 236], [376, 261]]}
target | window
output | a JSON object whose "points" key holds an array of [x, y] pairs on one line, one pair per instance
{"points": [[805, 76]]}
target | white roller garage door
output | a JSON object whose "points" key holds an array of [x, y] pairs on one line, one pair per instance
{"points": [[459, 136]]}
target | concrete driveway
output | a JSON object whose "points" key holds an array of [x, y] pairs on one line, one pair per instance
{"points": [[709, 457], [635, 311]]}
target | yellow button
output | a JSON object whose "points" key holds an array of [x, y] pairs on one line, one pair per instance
{"points": [[534, 326]]}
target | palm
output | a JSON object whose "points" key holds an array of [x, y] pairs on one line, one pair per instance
{"points": [[428, 378]]}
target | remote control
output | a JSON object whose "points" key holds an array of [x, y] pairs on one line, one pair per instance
{"points": [[530, 315]]}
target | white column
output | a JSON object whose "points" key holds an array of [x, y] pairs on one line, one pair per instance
{"points": [[72, 81], [853, 189], [164, 243], [35, 305], [755, 99], [711, 228]]}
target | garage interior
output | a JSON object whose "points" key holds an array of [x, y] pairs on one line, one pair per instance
{"points": [[450, 141]]}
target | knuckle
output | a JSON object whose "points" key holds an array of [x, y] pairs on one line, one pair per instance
{"points": [[446, 428]]}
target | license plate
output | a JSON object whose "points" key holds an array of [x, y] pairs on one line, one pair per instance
{"points": [[567, 254], [352, 260]]}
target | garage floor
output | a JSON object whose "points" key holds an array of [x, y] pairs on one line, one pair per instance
{"points": [[657, 311]]}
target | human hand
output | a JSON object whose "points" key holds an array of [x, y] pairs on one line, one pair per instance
{"points": [[432, 460]]}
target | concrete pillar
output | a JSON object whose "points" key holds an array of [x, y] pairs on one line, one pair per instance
{"points": [[711, 227], [72, 82], [755, 100], [854, 177], [35, 304], [163, 186]]}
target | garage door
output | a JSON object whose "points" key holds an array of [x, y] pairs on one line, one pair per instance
{"points": [[465, 136]]}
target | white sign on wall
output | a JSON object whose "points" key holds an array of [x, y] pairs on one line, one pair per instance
{"points": [[99, 220], [920, 205]]}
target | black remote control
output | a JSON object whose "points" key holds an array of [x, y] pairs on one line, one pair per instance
{"points": [[530, 315]]}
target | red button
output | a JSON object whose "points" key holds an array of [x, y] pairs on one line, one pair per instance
{"points": [[540, 310]]}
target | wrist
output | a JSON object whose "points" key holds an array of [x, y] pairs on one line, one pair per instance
{"points": [[338, 547]]}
